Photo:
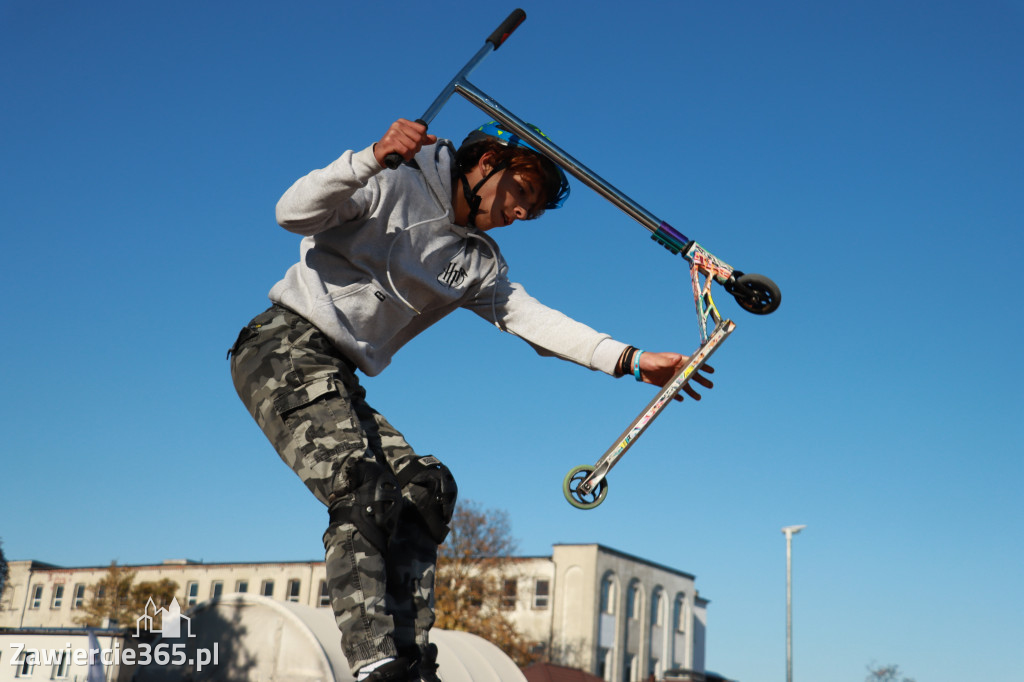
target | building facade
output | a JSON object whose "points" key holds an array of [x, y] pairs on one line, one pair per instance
{"points": [[623, 618], [587, 606], [62, 654]]}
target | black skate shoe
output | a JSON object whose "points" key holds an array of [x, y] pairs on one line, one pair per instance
{"points": [[399, 670]]}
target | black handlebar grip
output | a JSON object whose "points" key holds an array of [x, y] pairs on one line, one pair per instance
{"points": [[394, 159], [510, 24]]}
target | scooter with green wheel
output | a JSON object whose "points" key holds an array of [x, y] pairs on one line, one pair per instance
{"points": [[586, 486]]}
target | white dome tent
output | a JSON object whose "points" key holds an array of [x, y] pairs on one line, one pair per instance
{"points": [[257, 639]]}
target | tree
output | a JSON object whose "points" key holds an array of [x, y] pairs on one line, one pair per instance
{"points": [[162, 593], [115, 598], [3, 576], [110, 597], [885, 673], [473, 566]]}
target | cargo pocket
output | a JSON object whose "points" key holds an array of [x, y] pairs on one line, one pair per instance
{"points": [[303, 395], [321, 425]]}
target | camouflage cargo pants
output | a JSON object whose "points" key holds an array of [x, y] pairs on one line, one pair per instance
{"points": [[307, 400]]}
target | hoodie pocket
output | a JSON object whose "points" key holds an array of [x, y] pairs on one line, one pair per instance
{"points": [[371, 314]]}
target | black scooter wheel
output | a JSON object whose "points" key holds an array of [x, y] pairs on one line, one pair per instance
{"points": [[756, 294]]}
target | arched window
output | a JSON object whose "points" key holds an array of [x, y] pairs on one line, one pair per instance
{"points": [[657, 607], [679, 613], [634, 601], [607, 628], [608, 593]]}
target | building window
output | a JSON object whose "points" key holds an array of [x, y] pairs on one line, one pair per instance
{"points": [[191, 593], [242, 586], [294, 586], [508, 594], [628, 674], [656, 600], [37, 597], [78, 596], [267, 588], [608, 595], [58, 597], [325, 596], [24, 664], [679, 617], [216, 589], [604, 657], [541, 594], [633, 601], [475, 596], [60, 668]]}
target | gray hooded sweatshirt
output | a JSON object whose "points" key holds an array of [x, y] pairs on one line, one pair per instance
{"points": [[381, 260]]}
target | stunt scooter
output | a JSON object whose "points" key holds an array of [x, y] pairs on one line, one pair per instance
{"points": [[586, 486]]}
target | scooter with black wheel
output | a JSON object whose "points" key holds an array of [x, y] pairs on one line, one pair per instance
{"points": [[586, 486]]}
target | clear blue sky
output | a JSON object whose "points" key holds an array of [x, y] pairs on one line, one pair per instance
{"points": [[868, 156]]}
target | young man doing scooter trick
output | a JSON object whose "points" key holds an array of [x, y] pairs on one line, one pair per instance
{"points": [[384, 255]]}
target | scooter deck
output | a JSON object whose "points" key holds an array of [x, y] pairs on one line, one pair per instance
{"points": [[591, 484]]}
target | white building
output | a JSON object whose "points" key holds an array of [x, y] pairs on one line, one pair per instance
{"points": [[617, 616], [58, 654], [623, 618]]}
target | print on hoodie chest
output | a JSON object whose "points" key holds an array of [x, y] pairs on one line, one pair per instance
{"points": [[453, 276], [431, 272]]}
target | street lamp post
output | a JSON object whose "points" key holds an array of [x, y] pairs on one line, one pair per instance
{"points": [[790, 531]]}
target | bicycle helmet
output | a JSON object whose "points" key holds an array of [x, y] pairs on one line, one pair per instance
{"points": [[556, 185], [497, 131]]}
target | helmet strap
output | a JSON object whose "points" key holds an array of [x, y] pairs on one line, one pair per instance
{"points": [[472, 196]]}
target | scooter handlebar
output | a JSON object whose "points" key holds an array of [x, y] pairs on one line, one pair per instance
{"points": [[499, 36], [503, 31]]}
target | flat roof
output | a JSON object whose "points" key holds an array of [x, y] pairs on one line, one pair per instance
{"points": [[631, 557]]}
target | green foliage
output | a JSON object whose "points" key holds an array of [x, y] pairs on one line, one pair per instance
{"points": [[116, 598]]}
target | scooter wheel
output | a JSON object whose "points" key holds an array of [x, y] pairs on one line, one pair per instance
{"points": [[578, 498], [756, 294]]}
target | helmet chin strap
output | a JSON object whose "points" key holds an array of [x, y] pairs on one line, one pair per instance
{"points": [[472, 198]]}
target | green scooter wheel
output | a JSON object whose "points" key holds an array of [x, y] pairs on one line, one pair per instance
{"points": [[578, 498]]}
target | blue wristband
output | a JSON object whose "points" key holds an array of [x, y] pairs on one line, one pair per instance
{"points": [[636, 365]]}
